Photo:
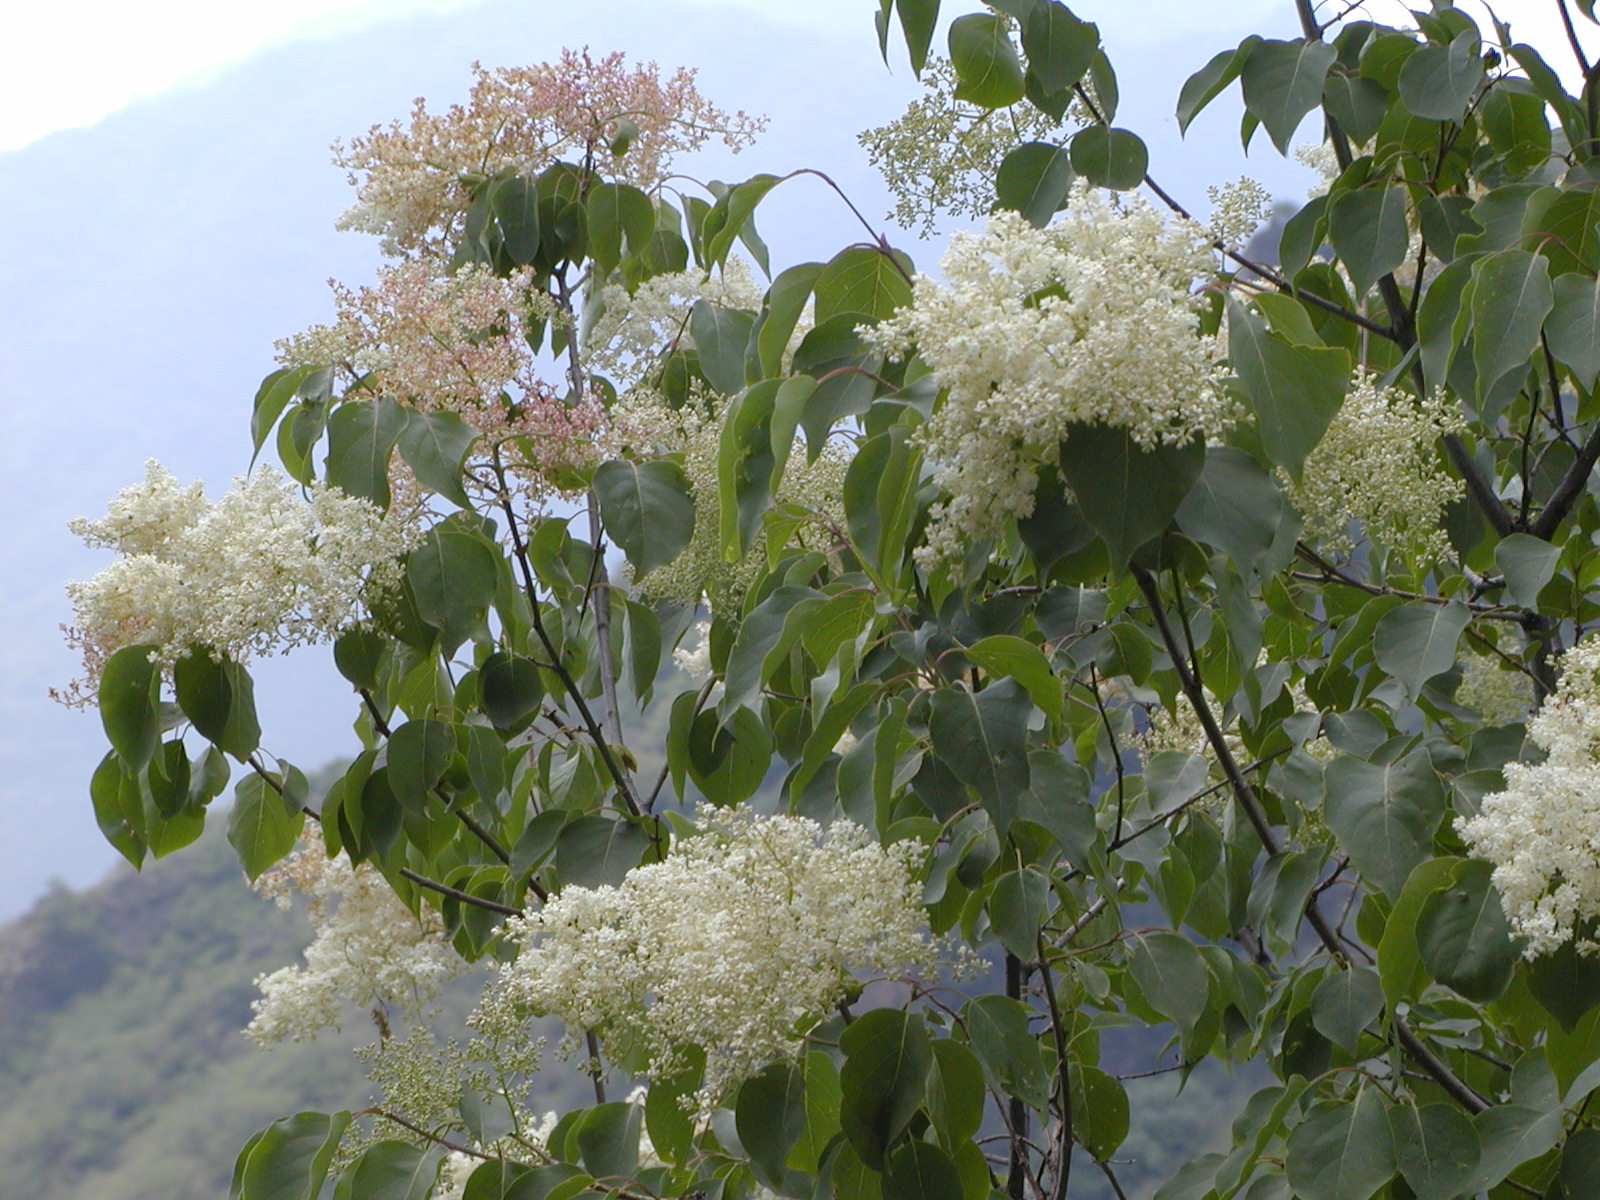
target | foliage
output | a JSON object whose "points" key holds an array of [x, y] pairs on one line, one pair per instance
{"points": [[1168, 735]]}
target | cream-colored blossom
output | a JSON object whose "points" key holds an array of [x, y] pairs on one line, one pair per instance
{"points": [[631, 331], [1238, 210], [1089, 320], [646, 424], [1378, 464], [1320, 157], [260, 571], [739, 941], [627, 123], [942, 154], [1542, 833], [696, 663], [369, 949]]}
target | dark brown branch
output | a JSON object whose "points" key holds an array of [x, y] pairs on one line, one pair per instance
{"points": [[1063, 1074], [444, 889]]}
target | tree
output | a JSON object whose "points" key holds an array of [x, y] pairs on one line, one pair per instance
{"points": [[1203, 640]]}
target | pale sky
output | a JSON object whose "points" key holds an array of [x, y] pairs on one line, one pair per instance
{"points": [[63, 66]]}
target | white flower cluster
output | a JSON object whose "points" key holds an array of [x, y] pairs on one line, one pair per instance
{"points": [[942, 155], [1542, 833], [696, 663], [647, 424], [1377, 464], [632, 330], [739, 941], [369, 949], [1238, 210], [261, 570], [1089, 320]]}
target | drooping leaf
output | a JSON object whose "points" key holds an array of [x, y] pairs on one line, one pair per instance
{"points": [[1127, 492], [261, 828], [986, 63], [1059, 46], [1283, 82], [997, 1029], [1384, 815], [1511, 296], [770, 1115], [1236, 506], [1109, 157], [1464, 936], [1369, 233], [722, 336], [1417, 641], [647, 510], [127, 702], [1034, 179], [882, 1081], [1171, 975], [218, 697], [435, 445], [864, 280], [289, 1159], [1573, 326], [389, 1170], [1437, 82], [1294, 390], [362, 434], [1435, 1147], [921, 1171], [1345, 1003], [1342, 1151], [1528, 563], [452, 574]]}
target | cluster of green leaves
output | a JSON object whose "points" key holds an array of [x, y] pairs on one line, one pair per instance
{"points": [[1290, 891]]}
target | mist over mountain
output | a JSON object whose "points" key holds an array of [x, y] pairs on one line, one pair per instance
{"points": [[150, 261]]}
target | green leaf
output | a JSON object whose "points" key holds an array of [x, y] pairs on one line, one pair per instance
{"points": [[1283, 82], [593, 851], [219, 699], [276, 390], [418, 753], [918, 19], [647, 510], [1516, 126], [997, 1029], [1206, 84], [1342, 1151], [1171, 975], [1568, 233], [1464, 937], [1528, 563], [1573, 327], [1438, 82], [617, 212], [361, 437], [1034, 179], [1294, 390], [129, 685], [1511, 296], [1345, 1003], [921, 1171], [452, 574], [1384, 815], [1059, 46], [986, 63], [1109, 157], [289, 1159], [389, 1170], [1018, 906], [1128, 493], [512, 691], [885, 1072], [745, 466], [1579, 1176], [1417, 641], [770, 1116], [1510, 1135], [1369, 233], [1399, 959], [261, 828], [786, 300], [880, 487], [1012, 657], [982, 738], [1236, 506], [1566, 983], [865, 280], [1099, 1110], [515, 205], [358, 653], [765, 635], [607, 1140], [722, 336], [955, 1092], [435, 446], [731, 215], [1435, 1147]]}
